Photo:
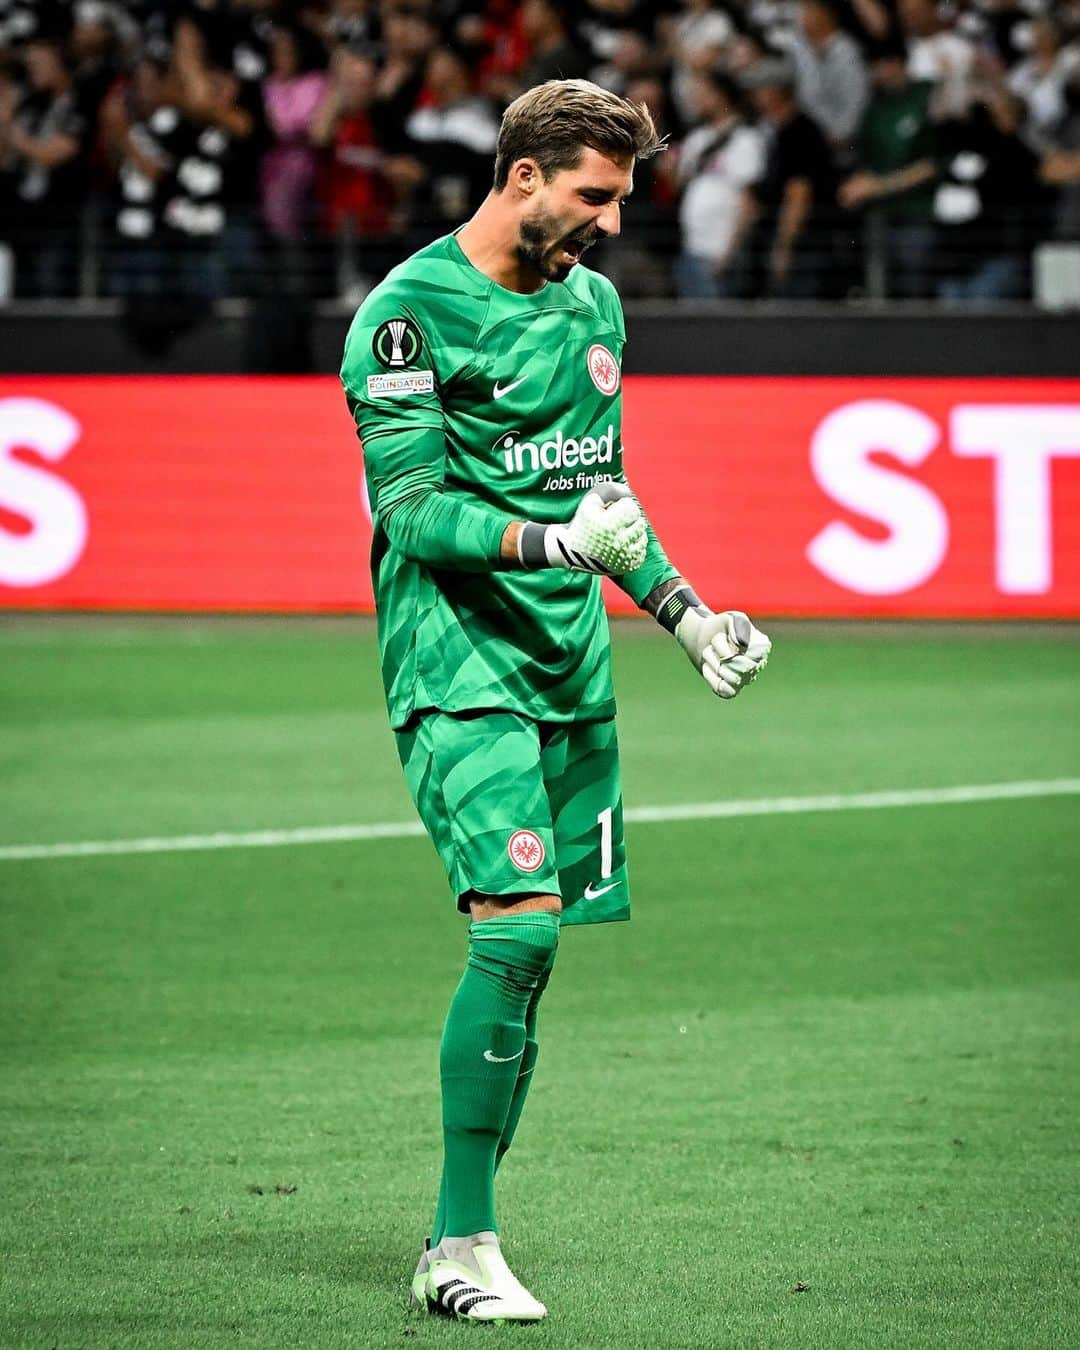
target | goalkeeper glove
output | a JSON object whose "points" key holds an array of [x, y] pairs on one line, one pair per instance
{"points": [[726, 649], [607, 534]]}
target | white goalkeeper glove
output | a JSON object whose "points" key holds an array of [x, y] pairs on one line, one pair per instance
{"points": [[726, 649], [606, 534]]}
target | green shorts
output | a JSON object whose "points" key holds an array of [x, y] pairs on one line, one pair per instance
{"points": [[516, 806]]}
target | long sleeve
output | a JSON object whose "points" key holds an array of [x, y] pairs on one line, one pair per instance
{"points": [[423, 521], [397, 409]]}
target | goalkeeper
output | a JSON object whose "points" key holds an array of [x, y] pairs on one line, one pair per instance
{"points": [[483, 375]]}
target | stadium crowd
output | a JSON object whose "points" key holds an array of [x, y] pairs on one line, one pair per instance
{"points": [[817, 148]]}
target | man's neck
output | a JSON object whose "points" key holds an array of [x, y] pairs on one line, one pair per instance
{"points": [[489, 241]]}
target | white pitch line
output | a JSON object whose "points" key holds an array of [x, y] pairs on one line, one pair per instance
{"points": [[409, 829], [858, 801]]}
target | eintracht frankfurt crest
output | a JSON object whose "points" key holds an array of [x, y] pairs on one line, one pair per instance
{"points": [[603, 368], [396, 343], [526, 850]]}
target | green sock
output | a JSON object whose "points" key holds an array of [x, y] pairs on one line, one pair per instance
{"points": [[524, 1078], [483, 1046], [517, 1102]]}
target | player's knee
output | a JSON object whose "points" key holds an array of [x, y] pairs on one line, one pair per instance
{"points": [[482, 906], [517, 948]]}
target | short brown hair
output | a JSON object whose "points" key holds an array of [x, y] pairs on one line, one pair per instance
{"points": [[554, 122]]}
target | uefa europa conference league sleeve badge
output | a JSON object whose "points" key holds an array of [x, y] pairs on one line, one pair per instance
{"points": [[397, 343]]}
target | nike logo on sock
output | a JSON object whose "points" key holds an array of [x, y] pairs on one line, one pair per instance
{"points": [[502, 1059]]}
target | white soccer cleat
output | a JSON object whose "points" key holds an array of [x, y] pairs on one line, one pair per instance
{"points": [[417, 1290], [468, 1279]]}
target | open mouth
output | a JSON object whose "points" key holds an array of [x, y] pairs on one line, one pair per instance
{"points": [[572, 249]]}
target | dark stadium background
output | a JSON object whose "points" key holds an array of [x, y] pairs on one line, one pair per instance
{"points": [[822, 1091]]}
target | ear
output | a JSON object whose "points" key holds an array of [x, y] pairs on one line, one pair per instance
{"points": [[524, 177]]}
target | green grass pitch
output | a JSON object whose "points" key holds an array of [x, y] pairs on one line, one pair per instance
{"points": [[824, 1090]]}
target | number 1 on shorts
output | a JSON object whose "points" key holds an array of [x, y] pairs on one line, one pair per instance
{"points": [[604, 821]]}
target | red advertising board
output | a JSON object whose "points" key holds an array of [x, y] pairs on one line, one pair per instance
{"points": [[861, 496]]}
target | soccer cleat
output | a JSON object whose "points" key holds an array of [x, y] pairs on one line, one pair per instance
{"points": [[468, 1279], [418, 1288]]}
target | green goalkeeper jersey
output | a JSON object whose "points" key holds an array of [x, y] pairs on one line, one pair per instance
{"points": [[477, 406]]}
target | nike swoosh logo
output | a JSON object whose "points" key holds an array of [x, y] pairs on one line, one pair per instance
{"points": [[501, 391], [591, 894], [502, 1059]]}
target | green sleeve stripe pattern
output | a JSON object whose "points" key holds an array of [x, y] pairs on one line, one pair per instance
{"points": [[424, 523]]}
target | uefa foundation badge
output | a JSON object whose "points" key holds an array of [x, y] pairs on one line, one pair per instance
{"points": [[603, 368], [526, 850]]}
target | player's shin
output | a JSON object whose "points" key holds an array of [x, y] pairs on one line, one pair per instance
{"points": [[527, 1064], [525, 1072], [483, 1044]]}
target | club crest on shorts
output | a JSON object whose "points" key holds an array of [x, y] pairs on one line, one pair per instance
{"points": [[603, 368], [526, 850], [397, 343]]}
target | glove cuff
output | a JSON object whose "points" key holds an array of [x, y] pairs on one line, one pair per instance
{"points": [[532, 546], [675, 605]]}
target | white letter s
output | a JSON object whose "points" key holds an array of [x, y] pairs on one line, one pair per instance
{"points": [[839, 454], [55, 510]]}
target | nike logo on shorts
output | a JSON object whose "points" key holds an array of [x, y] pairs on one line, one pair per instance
{"points": [[591, 894], [501, 392], [502, 1059]]}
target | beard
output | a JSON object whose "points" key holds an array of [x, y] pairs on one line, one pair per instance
{"points": [[542, 239]]}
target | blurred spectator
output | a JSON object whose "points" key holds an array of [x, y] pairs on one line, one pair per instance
{"points": [[716, 166], [354, 23], [496, 47], [633, 57], [697, 37], [1000, 27], [555, 53], [23, 20], [832, 83], [408, 38], [453, 135], [895, 173], [1039, 81], [169, 214], [222, 61], [1060, 167], [451, 112], [356, 192], [936, 52], [600, 22], [44, 136], [617, 37], [797, 193], [358, 197], [639, 261], [988, 204], [95, 51], [292, 94], [875, 23], [746, 50]]}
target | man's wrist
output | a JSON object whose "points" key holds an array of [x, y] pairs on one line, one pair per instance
{"points": [[669, 601], [532, 549], [509, 553], [528, 545]]}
